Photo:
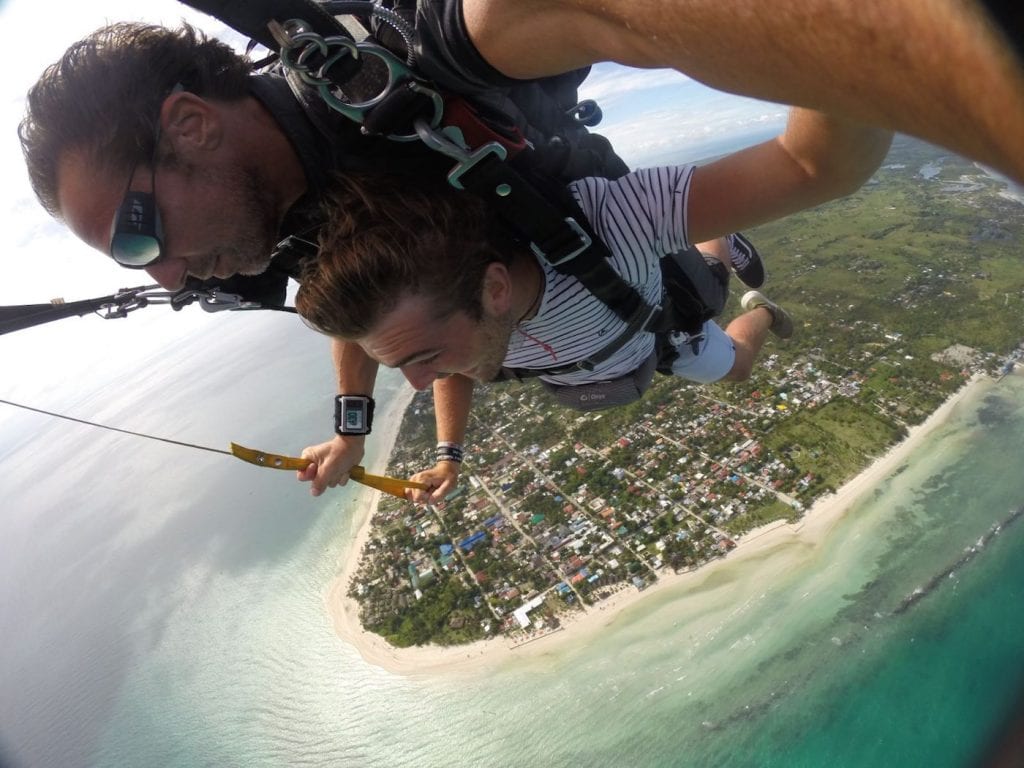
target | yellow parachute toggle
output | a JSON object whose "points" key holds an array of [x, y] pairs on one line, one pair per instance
{"points": [[392, 485]]}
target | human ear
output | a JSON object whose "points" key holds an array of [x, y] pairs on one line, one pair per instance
{"points": [[191, 122], [497, 289]]}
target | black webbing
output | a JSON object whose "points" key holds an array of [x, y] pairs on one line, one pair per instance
{"points": [[23, 316], [546, 226]]}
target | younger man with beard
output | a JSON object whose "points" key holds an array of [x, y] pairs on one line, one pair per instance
{"points": [[413, 278]]}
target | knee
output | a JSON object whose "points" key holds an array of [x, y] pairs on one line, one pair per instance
{"points": [[742, 367]]}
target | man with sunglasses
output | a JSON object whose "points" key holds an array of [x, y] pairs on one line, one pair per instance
{"points": [[160, 149]]}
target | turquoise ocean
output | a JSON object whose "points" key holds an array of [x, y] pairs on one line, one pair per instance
{"points": [[166, 607]]}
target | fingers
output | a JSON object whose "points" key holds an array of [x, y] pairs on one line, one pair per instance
{"points": [[328, 476], [310, 475], [430, 495], [331, 462], [440, 479], [418, 495], [438, 494]]}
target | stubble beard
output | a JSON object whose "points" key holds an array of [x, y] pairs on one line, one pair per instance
{"points": [[254, 225], [496, 333]]}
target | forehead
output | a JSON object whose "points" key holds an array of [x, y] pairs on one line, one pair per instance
{"points": [[410, 330], [88, 195]]}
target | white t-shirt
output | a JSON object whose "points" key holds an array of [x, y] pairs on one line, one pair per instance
{"points": [[640, 217]]}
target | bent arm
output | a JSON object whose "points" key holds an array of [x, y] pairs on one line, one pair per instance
{"points": [[816, 159], [332, 460], [936, 69], [453, 398]]}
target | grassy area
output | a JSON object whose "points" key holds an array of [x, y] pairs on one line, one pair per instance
{"points": [[926, 259], [832, 443], [755, 518]]}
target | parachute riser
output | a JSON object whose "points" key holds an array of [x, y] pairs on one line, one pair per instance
{"points": [[128, 300]]}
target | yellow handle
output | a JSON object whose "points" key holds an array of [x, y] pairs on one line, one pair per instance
{"points": [[392, 485], [272, 460]]}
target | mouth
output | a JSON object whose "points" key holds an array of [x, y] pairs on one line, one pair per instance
{"points": [[219, 271], [212, 270]]}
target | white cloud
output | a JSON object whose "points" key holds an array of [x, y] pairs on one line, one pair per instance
{"points": [[690, 126], [656, 116], [609, 83]]}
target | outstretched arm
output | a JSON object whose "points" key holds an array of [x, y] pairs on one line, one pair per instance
{"points": [[816, 159], [936, 69]]}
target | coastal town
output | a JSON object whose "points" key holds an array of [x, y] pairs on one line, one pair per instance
{"points": [[557, 511]]}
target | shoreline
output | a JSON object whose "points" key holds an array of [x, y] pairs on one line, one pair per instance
{"points": [[788, 544]]}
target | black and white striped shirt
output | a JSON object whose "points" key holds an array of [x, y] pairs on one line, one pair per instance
{"points": [[640, 218]]}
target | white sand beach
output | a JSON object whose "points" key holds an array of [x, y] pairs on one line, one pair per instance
{"points": [[762, 553]]}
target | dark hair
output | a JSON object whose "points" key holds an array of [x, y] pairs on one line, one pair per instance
{"points": [[386, 238], [105, 92]]}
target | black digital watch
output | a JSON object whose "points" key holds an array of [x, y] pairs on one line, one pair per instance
{"points": [[353, 414]]}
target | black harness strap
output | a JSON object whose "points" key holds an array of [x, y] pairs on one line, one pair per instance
{"points": [[548, 219], [251, 17], [562, 241]]}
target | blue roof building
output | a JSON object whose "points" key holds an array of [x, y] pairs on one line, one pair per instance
{"points": [[467, 544]]}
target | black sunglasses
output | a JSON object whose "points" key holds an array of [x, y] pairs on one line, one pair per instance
{"points": [[137, 234], [137, 237]]}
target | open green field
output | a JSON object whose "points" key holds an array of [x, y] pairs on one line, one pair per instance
{"points": [[937, 260]]}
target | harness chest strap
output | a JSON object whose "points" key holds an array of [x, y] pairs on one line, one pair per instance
{"points": [[559, 239]]}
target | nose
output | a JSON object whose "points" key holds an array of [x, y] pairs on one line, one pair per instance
{"points": [[418, 375], [169, 273]]}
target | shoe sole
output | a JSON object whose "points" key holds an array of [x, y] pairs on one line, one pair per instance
{"points": [[782, 323]]}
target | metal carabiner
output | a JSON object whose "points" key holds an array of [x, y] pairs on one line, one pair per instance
{"points": [[398, 73], [345, 48], [130, 299], [466, 160], [310, 42], [215, 300], [587, 113]]}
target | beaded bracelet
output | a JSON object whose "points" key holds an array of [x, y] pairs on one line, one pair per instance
{"points": [[449, 452]]}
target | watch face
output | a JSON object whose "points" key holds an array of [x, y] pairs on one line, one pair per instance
{"points": [[353, 414], [353, 418]]}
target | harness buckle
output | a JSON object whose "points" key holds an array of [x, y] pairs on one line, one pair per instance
{"points": [[466, 159], [211, 300], [587, 113], [583, 239], [216, 300]]}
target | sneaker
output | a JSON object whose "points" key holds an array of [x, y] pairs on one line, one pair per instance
{"points": [[746, 261], [782, 323]]}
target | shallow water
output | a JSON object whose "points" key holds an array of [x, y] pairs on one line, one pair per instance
{"points": [[145, 624]]}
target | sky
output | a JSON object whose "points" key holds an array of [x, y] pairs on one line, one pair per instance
{"points": [[650, 116]]}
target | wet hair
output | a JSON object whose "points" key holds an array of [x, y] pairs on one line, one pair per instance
{"points": [[386, 239], [104, 96]]}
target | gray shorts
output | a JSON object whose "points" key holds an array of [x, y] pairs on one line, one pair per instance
{"points": [[713, 360]]}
